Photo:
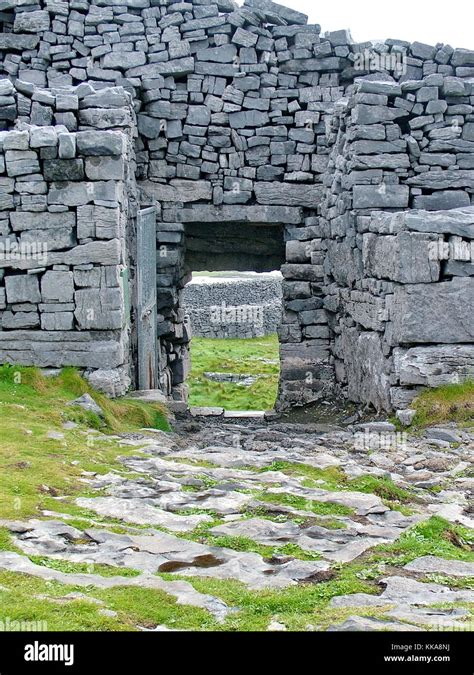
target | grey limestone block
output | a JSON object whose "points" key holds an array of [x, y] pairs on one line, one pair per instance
{"points": [[67, 146], [18, 42], [442, 200], [53, 239], [178, 190], [18, 320], [22, 288], [98, 143], [288, 194], [27, 220], [57, 287], [21, 162], [32, 22], [433, 365], [99, 310], [104, 168], [102, 222], [458, 222], [222, 54], [406, 257], [123, 60], [433, 313], [41, 137], [57, 321], [381, 196], [291, 16], [63, 169]]}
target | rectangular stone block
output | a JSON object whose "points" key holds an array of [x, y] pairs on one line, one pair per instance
{"points": [[99, 311], [433, 313], [382, 196], [63, 169], [435, 365], [28, 220], [22, 288], [98, 143], [57, 321], [18, 320], [248, 118], [104, 168], [103, 222], [406, 257], [57, 287], [289, 194], [53, 239], [272, 215], [177, 190]]}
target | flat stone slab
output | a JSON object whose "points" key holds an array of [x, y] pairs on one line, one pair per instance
{"points": [[362, 503], [338, 545], [429, 564], [366, 623], [135, 511], [436, 618], [206, 412], [404, 591], [227, 467], [242, 414]]}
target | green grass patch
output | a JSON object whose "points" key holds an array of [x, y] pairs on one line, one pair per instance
{"points": [[136, 607], [35, 468], [304, 504], [254, 356], [250, 546], [308, 603], [298, 607], [449, 403], [460, 583], [436, 537], [333, 478], [70, 567], [382, 487]]}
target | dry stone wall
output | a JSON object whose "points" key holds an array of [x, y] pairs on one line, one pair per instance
{"points": [[399, 281], [235, 307], [66, 208], [246, 117]]}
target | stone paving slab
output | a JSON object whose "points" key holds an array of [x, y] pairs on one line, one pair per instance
{"points": [[432, 565], [406, 591], [136, 511]]}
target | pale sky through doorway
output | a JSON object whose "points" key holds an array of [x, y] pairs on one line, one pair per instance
{"points": [[422, 20]]}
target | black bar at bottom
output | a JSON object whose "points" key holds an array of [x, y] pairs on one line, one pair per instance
{"points": [[136, 653]]}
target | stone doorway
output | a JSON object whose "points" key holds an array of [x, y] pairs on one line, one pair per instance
{"points": [[258, 238], [235, 320], [184, 248]]}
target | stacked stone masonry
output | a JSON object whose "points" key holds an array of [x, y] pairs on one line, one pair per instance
{"points": [[225, 117], [235, 307]]}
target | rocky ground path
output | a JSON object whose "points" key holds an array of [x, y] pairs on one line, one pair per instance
{"points": [[276, 506]]}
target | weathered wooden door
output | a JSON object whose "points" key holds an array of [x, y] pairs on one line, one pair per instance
{"points": [[146, 298]]}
